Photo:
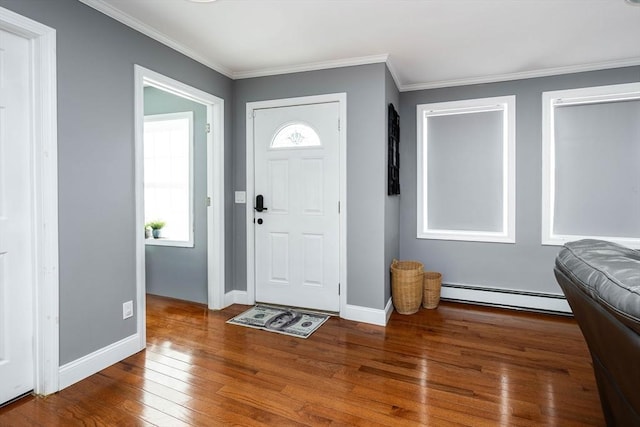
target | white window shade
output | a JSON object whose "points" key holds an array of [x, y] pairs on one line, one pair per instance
{"points": [[591, 181], [464, 166]]}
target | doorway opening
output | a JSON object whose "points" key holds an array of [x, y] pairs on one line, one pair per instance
{"points": [[166, 167]]}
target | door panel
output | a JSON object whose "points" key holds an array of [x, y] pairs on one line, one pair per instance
{"points": [[279, 253], [16, 217], [297, 237], [279, 186], [313, 260], [312, 182]]}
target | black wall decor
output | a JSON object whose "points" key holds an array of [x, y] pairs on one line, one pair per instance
{"points": [[393, 161]]}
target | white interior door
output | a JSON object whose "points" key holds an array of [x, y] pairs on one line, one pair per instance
{"points": [[16, 220], [296, 164]]}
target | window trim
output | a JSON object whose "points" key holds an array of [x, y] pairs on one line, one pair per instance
{"points": [[173, 116], [506, 104], [580, 96]]}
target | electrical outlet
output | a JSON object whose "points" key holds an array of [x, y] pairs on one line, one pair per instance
{"points": [[127, 309]]}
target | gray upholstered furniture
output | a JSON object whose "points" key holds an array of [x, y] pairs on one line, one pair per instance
{"points": [[601, 281]]}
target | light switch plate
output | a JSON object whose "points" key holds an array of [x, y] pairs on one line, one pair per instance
{"points": [[241, 197]]}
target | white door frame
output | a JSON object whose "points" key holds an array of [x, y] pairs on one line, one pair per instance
{"points": [[42, 40], [215, 188], [341, 99]]}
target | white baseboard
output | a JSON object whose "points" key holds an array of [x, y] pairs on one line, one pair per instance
{"points": [[367, 315], [388, 310], [454, 292], [90, 364], [505, 298], [236, 297], [350, 312]]}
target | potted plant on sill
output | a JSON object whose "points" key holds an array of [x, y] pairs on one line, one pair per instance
{"points": [[156, 227]]}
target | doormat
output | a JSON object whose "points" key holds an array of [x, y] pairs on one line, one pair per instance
{"points": [[281, 320]]}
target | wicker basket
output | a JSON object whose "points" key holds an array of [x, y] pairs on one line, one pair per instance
{"points": [[432, 285], [406, 286]]}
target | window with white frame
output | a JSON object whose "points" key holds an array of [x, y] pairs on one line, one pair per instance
{"points": [[466, 170], [168, 177], [591, 164]]}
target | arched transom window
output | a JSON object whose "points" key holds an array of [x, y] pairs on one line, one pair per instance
{"points": [[296, 135]]}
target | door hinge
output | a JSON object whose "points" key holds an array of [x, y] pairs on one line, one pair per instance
{"points": [[208, 127], [208, 201], [338, 124], [338, 207], [338, 288]]}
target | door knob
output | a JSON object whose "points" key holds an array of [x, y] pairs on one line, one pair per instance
{"points": [[260, 203]]}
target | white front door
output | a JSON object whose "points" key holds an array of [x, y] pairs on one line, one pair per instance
{"points": [[16, 220], [297, 177]]}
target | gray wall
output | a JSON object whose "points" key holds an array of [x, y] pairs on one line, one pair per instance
{"points": [[366, 163], [391, 203], [95, 59], [173, 271], [526, 265]]}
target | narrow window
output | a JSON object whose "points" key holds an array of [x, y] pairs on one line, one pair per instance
{"points": [[466, 170], [168, 177]]}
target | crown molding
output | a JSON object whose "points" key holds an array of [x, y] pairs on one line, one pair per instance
{"points": [[137, 25], [631, 62], [143, 28], [313, 66], [394, 73]]}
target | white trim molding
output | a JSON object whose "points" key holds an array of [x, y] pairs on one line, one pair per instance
{"points": [[394, 72], [216, 194], [215, 187], [72, 372], [45, 154], [367, 315], [544, 72], [506, 298], [341, 99], [507, 106], [151, 32], [236, 297], [324, 65], [551, 100]]}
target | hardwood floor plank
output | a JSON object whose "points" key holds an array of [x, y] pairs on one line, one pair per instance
{"points": [[441, 405], [459, 365]]}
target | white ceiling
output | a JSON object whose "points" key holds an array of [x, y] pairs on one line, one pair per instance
{"points": [[427, 43]]}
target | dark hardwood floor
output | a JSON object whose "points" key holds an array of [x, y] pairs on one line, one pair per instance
{"points": [[459, 365]]}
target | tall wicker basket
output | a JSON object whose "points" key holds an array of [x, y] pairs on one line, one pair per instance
{"points": [[406, 286], [432, 285]]}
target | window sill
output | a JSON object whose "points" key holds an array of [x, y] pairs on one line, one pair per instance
{"points": [[486, 237], [560, 240], [167, 242]]}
